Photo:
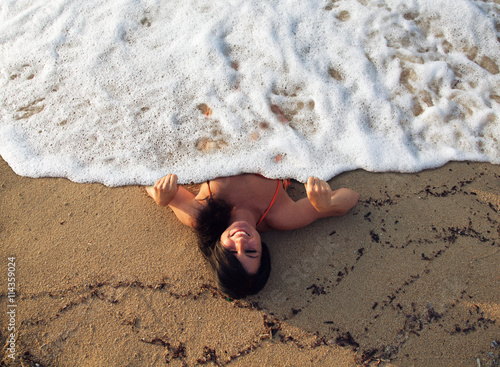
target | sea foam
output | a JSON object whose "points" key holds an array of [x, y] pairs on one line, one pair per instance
{"points": [[125, 91]]}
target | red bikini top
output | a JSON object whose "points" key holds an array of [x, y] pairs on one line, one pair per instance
{"points": [[268, 208]]}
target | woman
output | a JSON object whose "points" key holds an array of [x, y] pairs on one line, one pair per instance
{"points": [[229, 212]]}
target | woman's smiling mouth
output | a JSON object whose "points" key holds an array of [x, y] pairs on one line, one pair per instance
{"points": [[239, 231]]}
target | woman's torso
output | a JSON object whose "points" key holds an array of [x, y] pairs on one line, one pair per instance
{"points": [[247, 191]]}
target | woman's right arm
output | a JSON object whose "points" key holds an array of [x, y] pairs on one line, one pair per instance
{"points": [[183, 203], [321, 202]]}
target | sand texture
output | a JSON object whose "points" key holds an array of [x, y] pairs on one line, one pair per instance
{"points": [[104, 277]]}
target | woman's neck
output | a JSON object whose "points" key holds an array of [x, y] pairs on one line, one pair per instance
{"points": [[243, 215]]}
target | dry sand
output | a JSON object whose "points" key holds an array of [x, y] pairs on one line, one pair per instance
{"points": [[104, 277]]}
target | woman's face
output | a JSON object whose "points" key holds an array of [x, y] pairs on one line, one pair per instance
{"points": [[244, 242]]}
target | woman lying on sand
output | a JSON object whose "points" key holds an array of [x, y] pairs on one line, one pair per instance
{"points": [[229, 212]]}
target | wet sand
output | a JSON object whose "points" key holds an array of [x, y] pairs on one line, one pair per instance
{"points": [[104, 277]]}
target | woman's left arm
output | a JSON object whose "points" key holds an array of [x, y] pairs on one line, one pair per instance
{"points": [[183, 203]]}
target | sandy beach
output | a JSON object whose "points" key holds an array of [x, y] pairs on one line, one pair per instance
{"points": [[104, 277]]}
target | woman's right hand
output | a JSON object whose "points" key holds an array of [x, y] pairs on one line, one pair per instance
{"points": [[164, 189], [319, 194], [329, 202]]}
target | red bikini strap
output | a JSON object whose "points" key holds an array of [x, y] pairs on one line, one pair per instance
{"points": [[270, 205], [209, 191]]}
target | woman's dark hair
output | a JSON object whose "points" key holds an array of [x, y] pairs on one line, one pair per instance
{"points": [[232, 278]]}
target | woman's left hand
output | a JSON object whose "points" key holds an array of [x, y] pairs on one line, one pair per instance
{"points": [[164, 189]]}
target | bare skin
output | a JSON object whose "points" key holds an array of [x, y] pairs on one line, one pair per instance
{"points": [[250, 196]]}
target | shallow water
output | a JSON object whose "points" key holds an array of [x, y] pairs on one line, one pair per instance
{"points": [[123, 92]]}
